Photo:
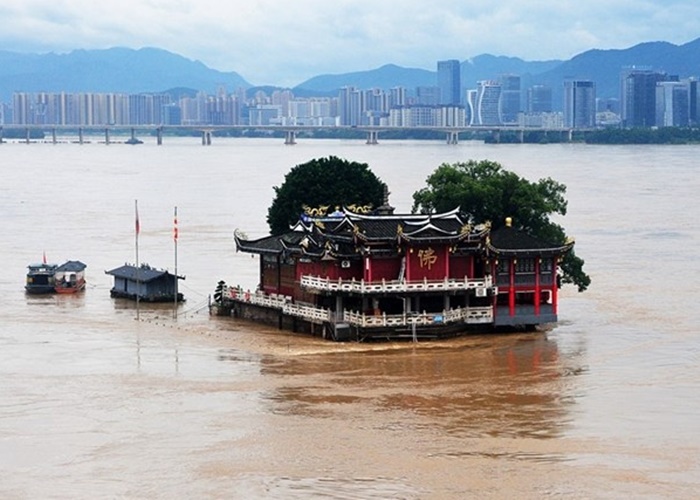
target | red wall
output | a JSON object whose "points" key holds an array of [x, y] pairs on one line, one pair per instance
{"points": [[387, 268], [427, 262], [460, 266]]}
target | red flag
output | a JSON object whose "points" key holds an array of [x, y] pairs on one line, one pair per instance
{"points": [[138, 224], [175, 232]]}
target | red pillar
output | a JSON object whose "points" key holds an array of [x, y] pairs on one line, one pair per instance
{"points": [[511, 294], [555, 288], [537, 286], [447, 261]]}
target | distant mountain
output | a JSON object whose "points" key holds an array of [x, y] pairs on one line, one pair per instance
{"points": [[601, 66], [488, 67], [604, 66], [154, 70], [386, 77], [110, 70]]}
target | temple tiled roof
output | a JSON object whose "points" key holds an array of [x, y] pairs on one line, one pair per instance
{"points": [[509, 240], [344, 235]]}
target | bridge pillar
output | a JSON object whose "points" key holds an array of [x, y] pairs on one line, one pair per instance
{"points": [[290, 137], [452, 137], [53, 136], [206, 137], [107, 136], [159, 136], [80, 135], [372, 137]]}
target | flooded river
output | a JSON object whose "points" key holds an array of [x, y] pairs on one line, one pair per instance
{"points": [[95, 403]]}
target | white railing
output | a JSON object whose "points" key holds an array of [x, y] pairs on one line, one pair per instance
{"points": [[281, 302], [469, 315], [392, 286], [310, 313]]}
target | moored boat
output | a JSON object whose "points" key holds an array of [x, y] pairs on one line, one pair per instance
{"points": [[40, 278], [70, 277], [145, 283]]}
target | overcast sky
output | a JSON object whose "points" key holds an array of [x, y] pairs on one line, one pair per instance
{"points": [[274, 42]]}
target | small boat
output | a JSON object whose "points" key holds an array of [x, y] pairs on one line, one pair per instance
{"points": [[70, 277], [40, 278]]}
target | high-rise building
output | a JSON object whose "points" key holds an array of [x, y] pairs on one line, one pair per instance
{"points": [[579, 104], [427, 95], [484, 103], [539, 99], [449, 82], [638, 96], [672, 104], [693, 102], [510, 98]]}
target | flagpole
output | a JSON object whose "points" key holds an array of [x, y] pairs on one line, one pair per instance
{"points": [[138, 280], [175, 235]]}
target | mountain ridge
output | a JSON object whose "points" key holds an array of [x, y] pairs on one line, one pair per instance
{"points": [[150, 69]]}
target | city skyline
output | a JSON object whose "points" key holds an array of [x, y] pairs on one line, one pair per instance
{"points": [[277, 44]]}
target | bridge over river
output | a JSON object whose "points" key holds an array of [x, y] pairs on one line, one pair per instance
{"points": [[27, 133]]}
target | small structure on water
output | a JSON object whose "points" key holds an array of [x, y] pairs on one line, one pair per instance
{"points": [[70, 277], [349, 275], [145, 283], [40, 278]]}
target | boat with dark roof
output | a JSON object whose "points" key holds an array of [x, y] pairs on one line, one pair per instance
{"points": [[145, 283], [70, 277], [40, 278]]}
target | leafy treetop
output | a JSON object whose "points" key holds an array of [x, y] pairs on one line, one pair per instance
{"points": [[485, 191], [324, 181]]}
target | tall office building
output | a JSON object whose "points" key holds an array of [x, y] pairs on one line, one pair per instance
{"points": [[638, 96], [672, 104], [579, 104], [510, 98], [449, 82], [539, 99], [693, 102], [485, 103], [427, 96]]}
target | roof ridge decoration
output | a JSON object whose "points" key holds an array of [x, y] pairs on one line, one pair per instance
{"points": [[429, 226], [407, 218], [319, 211], [358, 209]]}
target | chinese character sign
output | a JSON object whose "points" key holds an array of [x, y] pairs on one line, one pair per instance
{"points": [[426, 258]]}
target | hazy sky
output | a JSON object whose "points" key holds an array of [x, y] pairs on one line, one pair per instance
{"points": [[286, 42]]}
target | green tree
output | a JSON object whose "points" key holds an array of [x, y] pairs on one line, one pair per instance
{"points": [[326, 181], [485, 191]]}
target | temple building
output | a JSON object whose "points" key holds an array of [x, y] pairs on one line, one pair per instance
{"points": [[360, 275]]}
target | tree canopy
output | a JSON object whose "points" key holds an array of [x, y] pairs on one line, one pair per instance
{"points": [[485, 191], [325, 181]]}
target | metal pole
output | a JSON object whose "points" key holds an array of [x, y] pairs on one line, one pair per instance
{"points": [[175, 235], [138, 280]]}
